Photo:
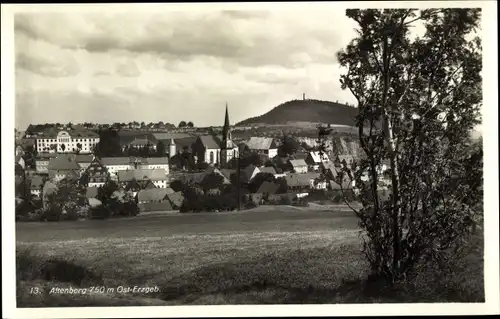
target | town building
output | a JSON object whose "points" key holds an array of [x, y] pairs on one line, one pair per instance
{"points": [[157, 176], [298, 165], [42, 162], [214, 149], [152, 163], [135, 186], [263, 145], [315, 160], [304, 182], [154, 195], [138, 142], [117, 164], [84, 161], [248, 173], [64, 142], [97, 174], [63, 166]]}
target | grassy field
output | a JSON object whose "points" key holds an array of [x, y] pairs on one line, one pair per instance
{"points": [[257, 257]]}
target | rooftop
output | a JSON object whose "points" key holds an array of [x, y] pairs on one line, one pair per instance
{"points": [[142, 174], [154, 194], [318, 158], [176, 198], [268, 169], [298, 162], [63, 162], [261, 143], [295, 179], [155, 160], [107, 161]]}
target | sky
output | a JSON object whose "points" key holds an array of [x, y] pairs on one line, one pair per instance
{"points": [[174, 65]]}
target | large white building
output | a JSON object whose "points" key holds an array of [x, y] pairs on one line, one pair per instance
{"points": [[64, 142]]}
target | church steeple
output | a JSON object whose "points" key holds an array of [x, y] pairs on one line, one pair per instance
{"points": [[226, 122], [228, 149], [226, 130]]}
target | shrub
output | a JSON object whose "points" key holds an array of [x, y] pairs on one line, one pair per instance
{"points": [[70, 215], [100, 212], [249, 205], [52, 213], [285, 200]]}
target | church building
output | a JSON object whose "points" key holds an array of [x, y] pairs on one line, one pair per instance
{"points": [[216, 149]]}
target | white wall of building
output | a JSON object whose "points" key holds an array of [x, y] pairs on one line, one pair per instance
{"points": [[161, 184], [98, 184], [155, 166], [300, 169], [273, 152], [44, 144], [36, 192], [113, 169]]}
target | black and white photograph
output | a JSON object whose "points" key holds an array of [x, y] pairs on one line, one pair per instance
{"points": [[246, 155]]}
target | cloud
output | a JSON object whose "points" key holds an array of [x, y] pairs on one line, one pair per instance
{"points": [[250, 38], [54, 62], [128, 69], [119, 67], [45, 66]]}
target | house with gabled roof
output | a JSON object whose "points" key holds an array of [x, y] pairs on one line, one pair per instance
{"points": [[84, 160], [154, 195], [146, 140], [271, 170], [116, 164], [97, 173], [153, 163], [298, 182], [157, 176], [263, 145], [249, 173], [298, 165], [135, 186], [63, 166], [227, 172], [42, 162], [315, 159]]}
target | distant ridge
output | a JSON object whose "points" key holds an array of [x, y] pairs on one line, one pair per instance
{"points": [[306, 110]]}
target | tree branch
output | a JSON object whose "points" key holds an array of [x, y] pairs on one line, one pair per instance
{"points": [[421, 17]]}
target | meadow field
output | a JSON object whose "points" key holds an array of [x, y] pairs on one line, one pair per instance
{"points": [[262, 256]]}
